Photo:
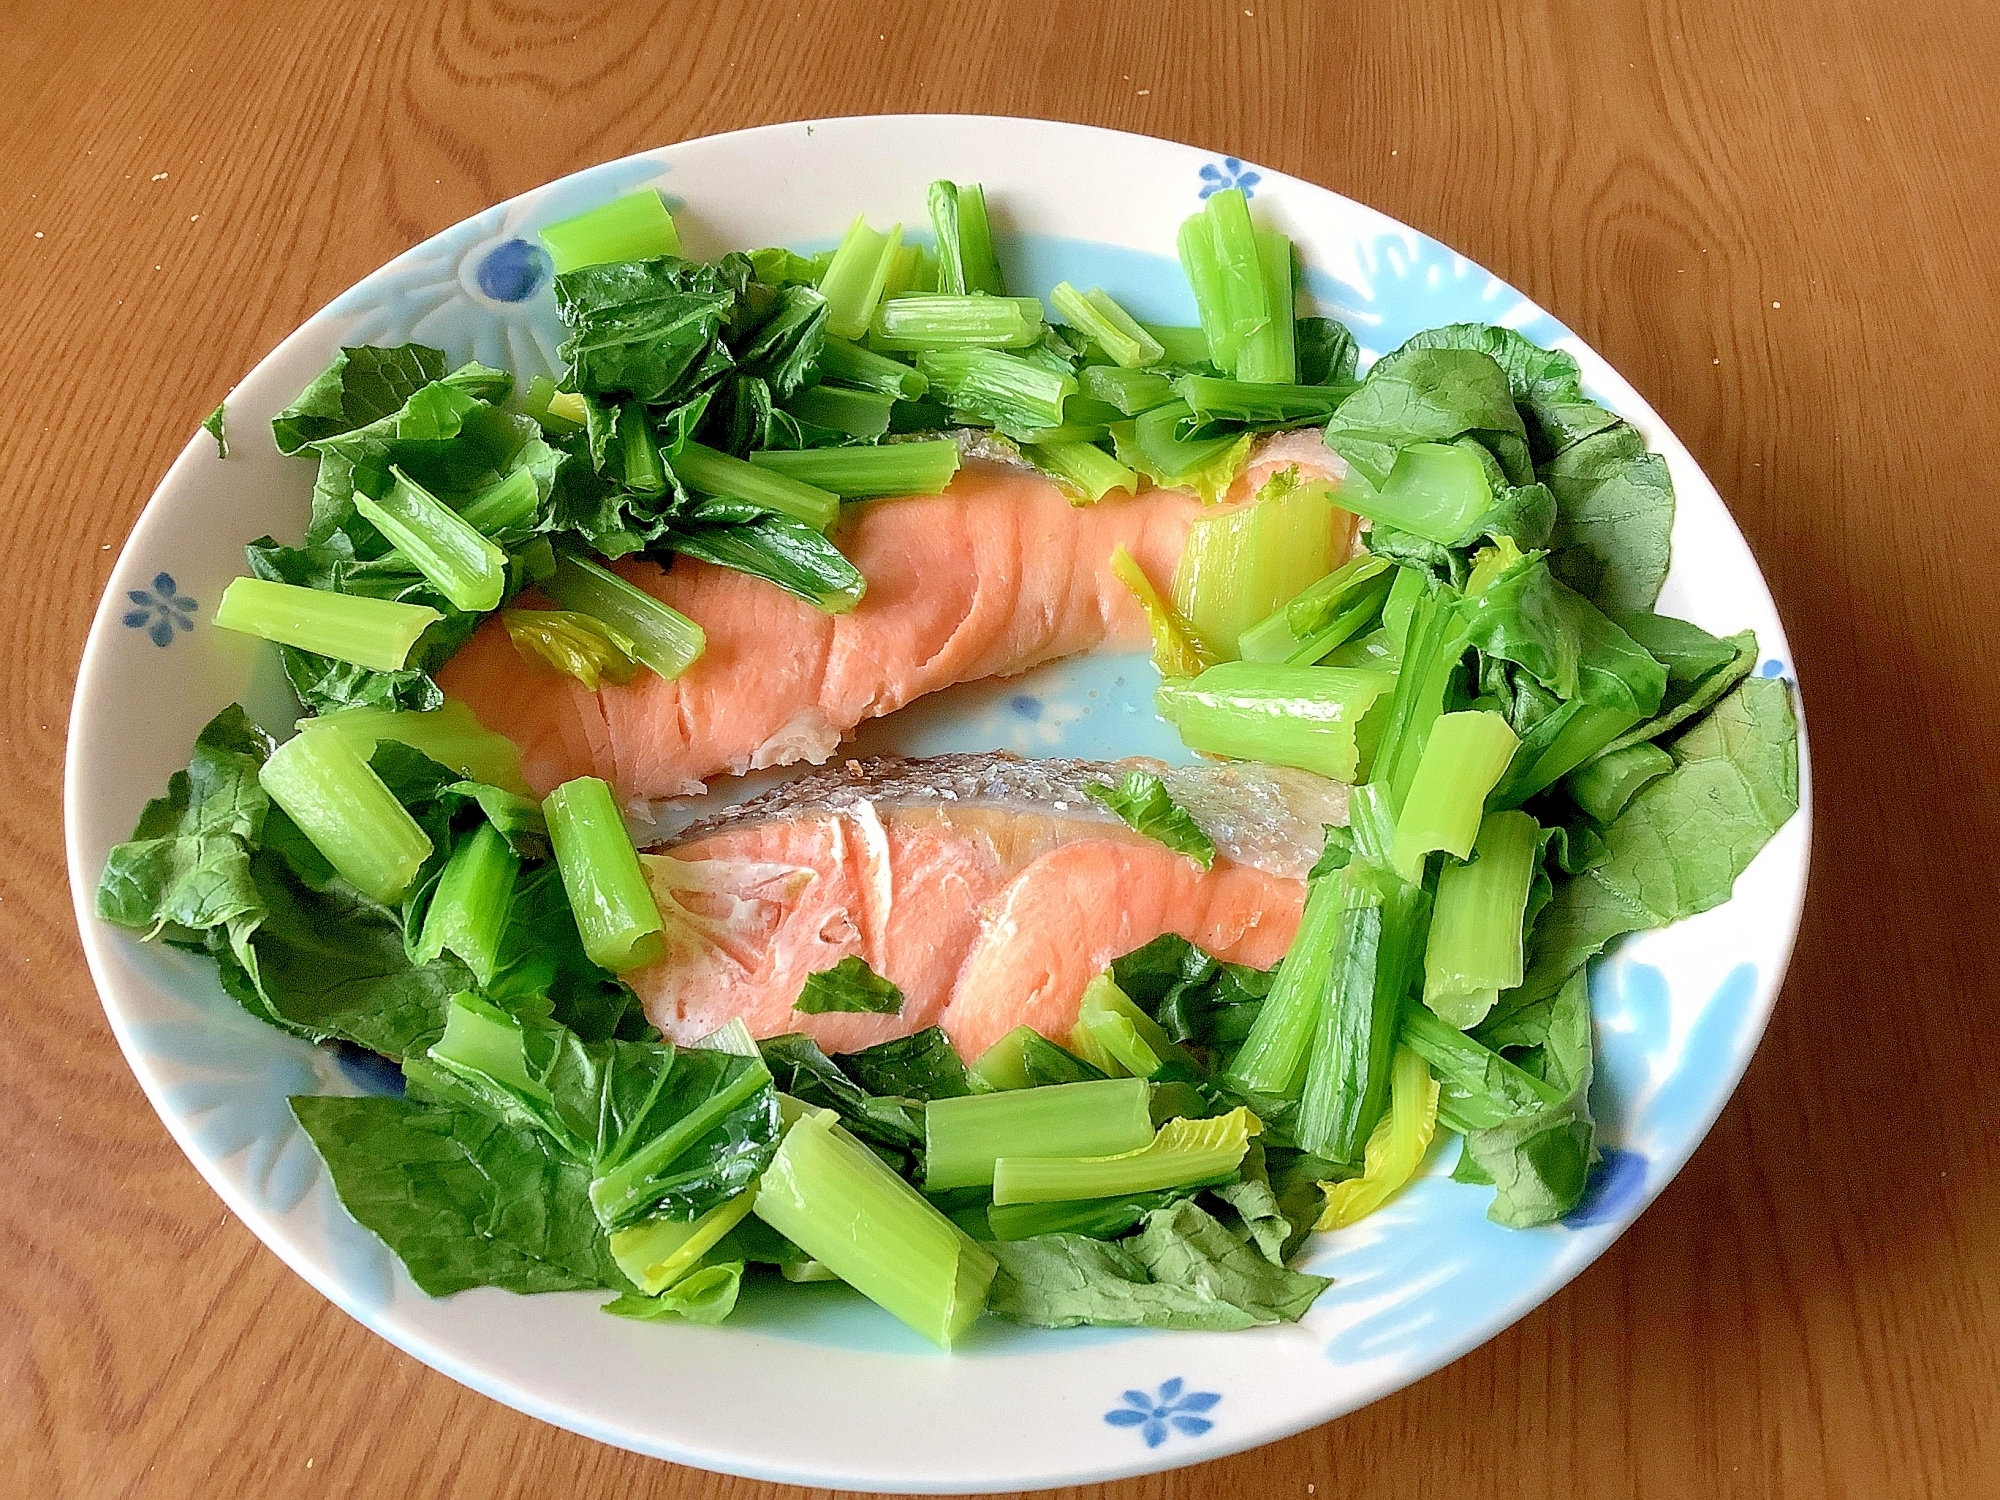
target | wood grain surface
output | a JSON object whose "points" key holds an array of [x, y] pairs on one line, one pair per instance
{"points": [[1777, 219]]}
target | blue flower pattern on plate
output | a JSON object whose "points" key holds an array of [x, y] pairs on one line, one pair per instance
{"points": [[513, 270], [1171, 1408], [160, 610], [1230, 174]]}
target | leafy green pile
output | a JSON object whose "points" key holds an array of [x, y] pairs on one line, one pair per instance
{"points": [[1545, 763]]}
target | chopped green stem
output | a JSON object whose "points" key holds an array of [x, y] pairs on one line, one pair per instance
{"points": [[1378, 956], [863, 473], [1083, 467], [615, 913], [1270, 354], [576, 645], [1565, 740], [1314, 718], [1002, 388], [372, 633], [1024, 1059], [1174, 460], [839, 408], [508, 504], [1187, 347], [1322, 615], [1121, 1030], [452, 736], [1480, 1088], [657, 1254], [664, 639], [639, 450], [1098, 1218], [1272, 1060], [1434, 644], [1113, 329], [1129, 391], [857, 365], [1196, 243], [635, 227], [1212, 399], [1184, 1153], [854, 278], [1475, 946], [1437, 491], [940, 320], [1239, 565], [540, 401], [1463, 760], [845, 1208], [1067, 432], [464, 566], [346, 812], [715, 473], [468, 910], [963, 1137], [1239, 270], [1603, 786], [966, 262]]}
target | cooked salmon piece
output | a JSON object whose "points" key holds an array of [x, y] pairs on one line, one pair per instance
{"points": [[989, 889], [999, 574]]}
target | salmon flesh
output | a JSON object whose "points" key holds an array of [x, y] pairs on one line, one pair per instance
{"points": [[989, 889], [999, 574]]}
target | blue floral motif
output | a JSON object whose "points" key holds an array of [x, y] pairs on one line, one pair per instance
{"points": [[1027, 705], [1169, 1408], [1231, 174], [1772, 668], [160, 610], [513, 270], [1615, 1184]]}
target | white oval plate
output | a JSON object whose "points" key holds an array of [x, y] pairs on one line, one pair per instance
{"points": [[811, 1385]]}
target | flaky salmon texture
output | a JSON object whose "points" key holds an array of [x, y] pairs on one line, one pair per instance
{"points": [[991, 890], [997, 575]]}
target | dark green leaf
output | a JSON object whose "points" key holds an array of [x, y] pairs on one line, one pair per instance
{"points": [[1142, 801], [1570, 646], [922, 1065], [793, 556], [460, 1200], [1326, 351], [1682, 841], [212, 424], [1183, 1270], [849, 985], [1614, 518], [362, 385]]}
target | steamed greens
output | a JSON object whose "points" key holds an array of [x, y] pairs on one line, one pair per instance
{"points": [[1540, 763]]}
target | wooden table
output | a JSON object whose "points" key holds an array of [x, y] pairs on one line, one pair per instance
{"points": [[1777, 220]]}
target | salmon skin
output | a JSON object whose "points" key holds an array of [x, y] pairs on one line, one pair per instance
{"points": [[999, 574], [990, 889]]}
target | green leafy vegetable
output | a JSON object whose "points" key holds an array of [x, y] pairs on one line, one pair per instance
{"points": [[1184, 1270], [849, 986], [361, 386], [1142, 802], [461, 1200], [212, 424], [1682, 841]]}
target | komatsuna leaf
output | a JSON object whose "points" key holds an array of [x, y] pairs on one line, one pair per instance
{"points": [[461, 1200], [1684, 838], [1200, 1001], [1429, 396], [1546, 383], [850, 986], [781, 551], [891, 1124], [1183, 1269], [922, 1066], [186, 869], [1540, 1160], [646, 330], [214, 424], [360, 386], [1564, 641], [1142, 802], [1612, 540]]}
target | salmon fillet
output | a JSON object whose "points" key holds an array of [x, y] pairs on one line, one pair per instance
{"points": [[989, 889], [995, 576]]}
